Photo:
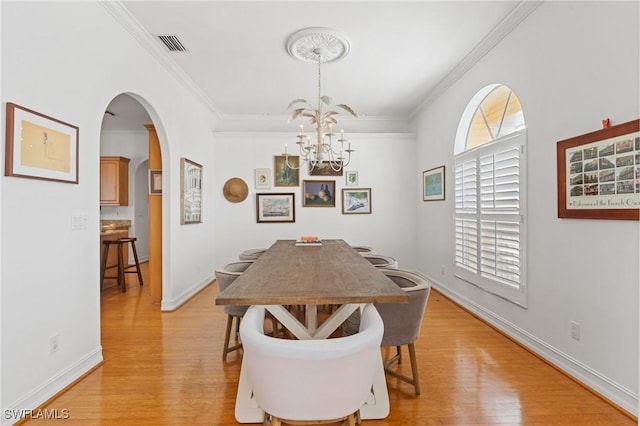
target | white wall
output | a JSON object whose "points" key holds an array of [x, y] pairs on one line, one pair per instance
{"points": [[571, 64], [384, 162], [71, 69]]}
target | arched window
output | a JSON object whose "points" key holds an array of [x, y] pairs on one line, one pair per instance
{"points": [[490, 196]]}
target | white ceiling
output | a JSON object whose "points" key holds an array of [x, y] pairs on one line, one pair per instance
{"points": [[402, 53]]}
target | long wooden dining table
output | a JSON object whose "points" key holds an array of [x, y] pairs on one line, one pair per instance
{"points": [[329, 274]]}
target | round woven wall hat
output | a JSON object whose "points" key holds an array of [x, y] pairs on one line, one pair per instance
{"points": [[235, 190]]}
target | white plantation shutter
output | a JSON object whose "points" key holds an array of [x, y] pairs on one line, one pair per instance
{"points": [[466, 187], [489, 217]]}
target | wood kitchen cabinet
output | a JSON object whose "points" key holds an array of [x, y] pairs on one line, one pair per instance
{"points": [[114, 181]]}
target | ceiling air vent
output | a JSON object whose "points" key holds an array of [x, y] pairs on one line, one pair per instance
{"points": [[172, 43]]}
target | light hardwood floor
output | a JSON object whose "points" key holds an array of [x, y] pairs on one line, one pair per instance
{"points": [[167, 369]]}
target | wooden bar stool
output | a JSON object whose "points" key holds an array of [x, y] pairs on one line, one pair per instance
{"points": [[120, 244]]}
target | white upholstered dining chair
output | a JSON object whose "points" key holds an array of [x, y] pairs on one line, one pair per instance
{"points": [[311, 381]]}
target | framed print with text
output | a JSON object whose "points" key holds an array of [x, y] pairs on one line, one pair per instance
{"points": [[599, 174]]}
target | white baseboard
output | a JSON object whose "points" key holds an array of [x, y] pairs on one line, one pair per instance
{"points": [[613, 391], [27, 405], [175, 303]]}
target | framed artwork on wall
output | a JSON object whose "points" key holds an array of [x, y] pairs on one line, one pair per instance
{"points": [[190, 192], [40, 147], [319, 193], [351, 178], [323, 168], [155, 182], [599, 174], [433, 184], [286, 174], [275, 208], [263, 178], [356, 201]]}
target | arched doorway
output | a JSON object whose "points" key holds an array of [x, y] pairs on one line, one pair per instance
{"points": [[127, 132]]}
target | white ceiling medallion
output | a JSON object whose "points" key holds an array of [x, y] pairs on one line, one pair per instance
{"points": [[310, 43]]}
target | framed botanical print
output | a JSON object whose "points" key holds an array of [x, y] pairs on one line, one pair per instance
{"points": [[351, 178]]}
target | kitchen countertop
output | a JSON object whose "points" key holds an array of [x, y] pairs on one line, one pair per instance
{"points": [[119, 224], [113, 231]]}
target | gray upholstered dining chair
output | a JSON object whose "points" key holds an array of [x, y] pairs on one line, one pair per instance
{"points": [[224, 277], [381, 261], [251, 254], [363, 250], [311, 381], [402, 321]]}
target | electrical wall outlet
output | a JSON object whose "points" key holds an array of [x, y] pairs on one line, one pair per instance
{"points": [[574, 330], [54, 344]]}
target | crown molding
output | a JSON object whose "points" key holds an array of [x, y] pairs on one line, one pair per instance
{"points": [[491, 40], [147, 41]]}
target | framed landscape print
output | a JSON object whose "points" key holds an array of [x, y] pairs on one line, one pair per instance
{"points": [[40, 147], [274, 208], [323, 168], [433, 184], [319, 193], [356, 201], [599, 174], [190, 192], [286, 175]]}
